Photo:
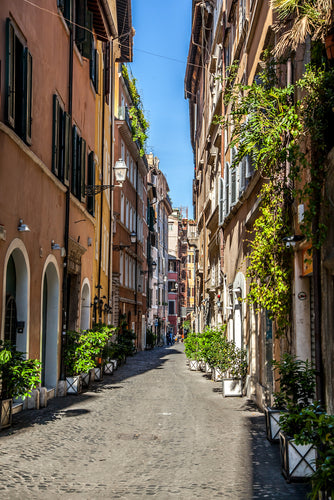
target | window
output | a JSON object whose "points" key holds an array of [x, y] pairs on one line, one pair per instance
{"points": [[171, 307], [172, 288], [122, 208], [61, 137], [78, 165], [91, 182], [94, 68], [18, 83], [227, 190], [121, 268]]}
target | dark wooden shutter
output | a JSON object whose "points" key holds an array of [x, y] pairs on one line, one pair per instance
{"points": [[91, 182], [221, 201], [27, 95], [107, 72], [227, 189], [88, 41], [80, 20], [10, 73], [55, 135], [83, 169], [75, 141], [67, 151], [97, 62]]}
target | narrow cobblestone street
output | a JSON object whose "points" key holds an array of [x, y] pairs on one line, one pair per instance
{"points": [[152, 429]]}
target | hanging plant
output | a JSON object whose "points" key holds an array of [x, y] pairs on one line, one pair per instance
{"points": [[139, 124]]}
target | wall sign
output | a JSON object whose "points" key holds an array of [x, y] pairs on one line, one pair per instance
{"points": [[302, 296]]}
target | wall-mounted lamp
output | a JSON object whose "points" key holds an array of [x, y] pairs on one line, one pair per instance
{"points": [[290, 241], [120, 169], [23, 227], [133, 237]]}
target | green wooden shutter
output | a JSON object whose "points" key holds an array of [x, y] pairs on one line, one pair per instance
{"points": [[67, 151], [74, 160], [88, 41], [91, 182], [97, 63], [61, 144], [55, 135], [83, 170], [221, 201], [80, 21], [27, 95], [10, 73]]}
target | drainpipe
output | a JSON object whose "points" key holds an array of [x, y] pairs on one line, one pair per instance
{"points": [[111, 193], [101, 200], [136, 247], [67, 215]]}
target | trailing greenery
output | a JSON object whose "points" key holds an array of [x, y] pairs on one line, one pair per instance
{"points": [[287, 141], [18, 376], [83, 348], [139, 123]]}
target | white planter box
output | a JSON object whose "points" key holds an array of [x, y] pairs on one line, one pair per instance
{"points": [[85, 378], [208, 368], [217, 374], [108, 368], [6, 411], [97, 373], [74, 385], [232, 387], [273, 427], [114, 362], [194, 364], [297, 460]]}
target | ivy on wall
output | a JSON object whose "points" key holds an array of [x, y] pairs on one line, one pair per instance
{"points": [[139, 124]]}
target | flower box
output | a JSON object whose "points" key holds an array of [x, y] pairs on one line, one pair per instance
{"points": [[85, 379], [194, 365], [232, 387], [217, 374], [98, 374], [6, 411], [108, 368], [297, 460], [74, 385], [273, 427]]}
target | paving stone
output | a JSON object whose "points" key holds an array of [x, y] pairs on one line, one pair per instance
{"points": [[152, 429]]}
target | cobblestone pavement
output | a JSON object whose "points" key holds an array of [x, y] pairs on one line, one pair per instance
{"points": [[152, 429]]}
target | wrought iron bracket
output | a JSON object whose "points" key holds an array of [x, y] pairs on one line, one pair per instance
{"points": [[93, 190]]}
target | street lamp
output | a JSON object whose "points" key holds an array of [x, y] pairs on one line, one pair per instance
{"points": [[120, 170]]}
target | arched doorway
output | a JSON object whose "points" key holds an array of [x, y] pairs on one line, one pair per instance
{"points": [[85, 307], [16, 299], [50, 322]]}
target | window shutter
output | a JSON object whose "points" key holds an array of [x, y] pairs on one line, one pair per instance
{"points": [[81, 21], [96, 71], [83, 170], [75, 139], [221, 201], [55, 135], [27, 95], [227, 189], [91, 182], [107, 72], [67, 150], [88, 41], [233, 186], [61, 5], [10, 73], [242, 167]]}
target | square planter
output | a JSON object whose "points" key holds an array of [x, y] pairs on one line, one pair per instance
{"points": [[232, 387], [98, 374], [108, 368], [297, 460], [85, 379], [74, 385], [194, 365], [208, 368], [114, 362], [217, 374], [6, 412], [273, 427]]}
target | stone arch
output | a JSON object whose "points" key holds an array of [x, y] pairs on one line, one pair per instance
{"points": [[50, 304], [18, 255], [85, 305]]}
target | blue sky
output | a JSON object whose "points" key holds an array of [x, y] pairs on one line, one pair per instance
{"points": [[161, 47]]}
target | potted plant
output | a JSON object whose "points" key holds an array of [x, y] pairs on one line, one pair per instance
{"points": [[235, 370], [296, 379], [192, 350], [80, 353], [312, 426], [297, 384], [18, 377]]}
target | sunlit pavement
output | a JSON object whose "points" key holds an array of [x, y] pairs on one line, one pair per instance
{"points": [[152, 429]]}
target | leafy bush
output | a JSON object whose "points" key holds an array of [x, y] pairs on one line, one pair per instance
{"points": [[192, 346], [19, 376]]}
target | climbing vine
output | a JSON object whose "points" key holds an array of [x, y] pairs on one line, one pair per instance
{"points": [[287, 141], [139, 124]]}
